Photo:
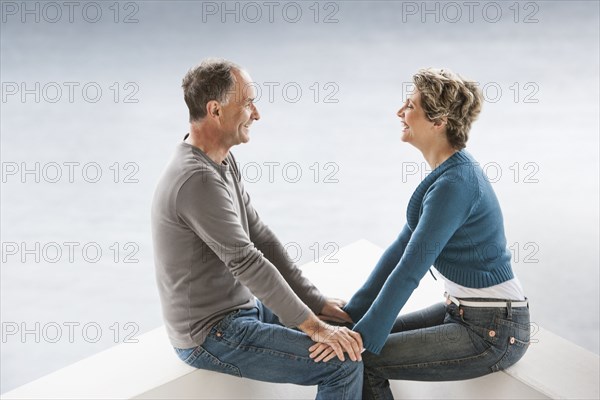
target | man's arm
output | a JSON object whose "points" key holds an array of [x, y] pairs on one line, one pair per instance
{"points": [[266, 241], [205, 206]]}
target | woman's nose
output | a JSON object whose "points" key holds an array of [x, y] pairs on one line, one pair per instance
{"points": [[400, 112]]}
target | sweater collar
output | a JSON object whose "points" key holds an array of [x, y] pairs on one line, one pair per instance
{"points": [[414, 205], [460, 157]]}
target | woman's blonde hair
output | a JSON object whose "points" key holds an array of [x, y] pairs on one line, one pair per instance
{"points": [[445, 94]]}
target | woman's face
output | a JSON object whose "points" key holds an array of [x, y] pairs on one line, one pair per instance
{"points": [[417, 128]]}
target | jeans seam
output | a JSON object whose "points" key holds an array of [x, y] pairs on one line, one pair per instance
{"points": [[431, 363], [373, 393], [223, 364], [519, 344], [346, 371], [345, 388], [269, 351], [486, 330], [511, 323], [335, 365]]}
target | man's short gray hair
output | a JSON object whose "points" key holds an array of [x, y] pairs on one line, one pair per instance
{"points": [[211, 80]]}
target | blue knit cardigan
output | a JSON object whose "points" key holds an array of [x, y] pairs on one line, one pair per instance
{"points": [[454, 222]]}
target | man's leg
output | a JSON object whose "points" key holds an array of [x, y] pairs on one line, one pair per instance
{"points": [[252, 344]]}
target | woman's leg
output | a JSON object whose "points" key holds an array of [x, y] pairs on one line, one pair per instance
{"points": [[430, 316], [467, 344], [375, 385]]}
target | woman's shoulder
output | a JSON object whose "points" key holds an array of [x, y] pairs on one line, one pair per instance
{"points": [[462, 177]]}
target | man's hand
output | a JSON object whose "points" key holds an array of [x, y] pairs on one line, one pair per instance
{"points": [[339, 338], [332, 311], [321, 352]]}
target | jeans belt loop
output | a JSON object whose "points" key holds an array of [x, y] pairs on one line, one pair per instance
{"points": [[451, 299]]}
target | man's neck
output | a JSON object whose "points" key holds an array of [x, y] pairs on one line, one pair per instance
{"points": [[207, 142]]}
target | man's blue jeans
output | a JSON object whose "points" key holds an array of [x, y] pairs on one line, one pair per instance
{"points": [[446, 343], [253, 344]]}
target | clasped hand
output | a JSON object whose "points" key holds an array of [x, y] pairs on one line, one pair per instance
{"points": [[333, 341]]}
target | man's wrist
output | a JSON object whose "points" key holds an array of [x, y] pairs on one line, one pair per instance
{"points": [[311, 325]]}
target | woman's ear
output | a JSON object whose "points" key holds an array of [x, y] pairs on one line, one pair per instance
{"points": [[441, 122]]}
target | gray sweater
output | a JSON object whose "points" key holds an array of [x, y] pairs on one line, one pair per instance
{"points": [[213, 254]]}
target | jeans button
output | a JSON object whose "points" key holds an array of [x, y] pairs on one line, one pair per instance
{"points": [[492, 333], [219, 334], [512, 340]]}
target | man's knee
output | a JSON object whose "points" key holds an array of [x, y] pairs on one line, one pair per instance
{"points": [[352, 368]]}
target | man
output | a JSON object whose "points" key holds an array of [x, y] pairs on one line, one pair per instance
{"points": [[230, 294]]}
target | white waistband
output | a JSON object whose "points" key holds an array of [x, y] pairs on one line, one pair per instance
{"points": [[483, 304]]}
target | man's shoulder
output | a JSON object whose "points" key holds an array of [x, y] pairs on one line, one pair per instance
{"points": [[185, 163], [182, 166]]}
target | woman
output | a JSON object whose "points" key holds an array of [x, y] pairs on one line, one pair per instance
{"points": [[454, 223]]}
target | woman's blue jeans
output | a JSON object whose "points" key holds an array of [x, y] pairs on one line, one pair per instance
{"points": [[446, 343], [253, 344]]}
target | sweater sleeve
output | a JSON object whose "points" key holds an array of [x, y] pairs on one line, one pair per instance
{"points": [[206, 207], [361, 301], [445, 208], [266, 241]]}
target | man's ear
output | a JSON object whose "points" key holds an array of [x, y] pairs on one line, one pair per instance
{"points": [[213, 109]]}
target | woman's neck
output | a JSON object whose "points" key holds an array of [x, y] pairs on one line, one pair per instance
{"points": [[437, 155]]}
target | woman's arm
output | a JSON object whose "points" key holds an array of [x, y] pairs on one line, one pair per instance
{"points": [[364, 297], [445, 209]]}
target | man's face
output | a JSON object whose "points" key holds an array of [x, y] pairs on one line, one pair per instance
{"points": [[239, 112]]}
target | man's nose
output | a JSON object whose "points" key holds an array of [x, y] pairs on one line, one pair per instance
{"points": [[255, 114]]}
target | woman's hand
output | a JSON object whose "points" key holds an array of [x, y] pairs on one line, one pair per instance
{"points": [[340, 339], [332, 311]]}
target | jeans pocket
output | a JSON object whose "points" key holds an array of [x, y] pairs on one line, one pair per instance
{"points": [[199, 357], [208, 361], [188, 355], [516, 347], [224, 323], [480, 345], [483, 332]]}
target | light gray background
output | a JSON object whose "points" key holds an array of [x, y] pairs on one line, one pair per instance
{"points": [[550, 207]]}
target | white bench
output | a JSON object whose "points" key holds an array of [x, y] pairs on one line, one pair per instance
{"points": [[552, 368]]}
